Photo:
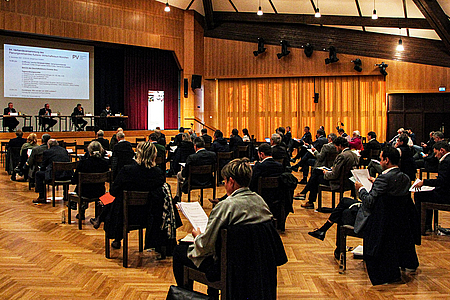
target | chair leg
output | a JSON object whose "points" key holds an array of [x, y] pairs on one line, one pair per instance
{"points": [[53, 196], [188, 283], [69, 214], [423, 217], [107, 249], [436, 220], [342, 252], [214, 192], [319, 200], [189, 196], [201, 197], [141, 240], [125, 248], [80, 225]]}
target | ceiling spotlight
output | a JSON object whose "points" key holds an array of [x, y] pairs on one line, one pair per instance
{"points": [[260, 12], [309, 50], [317, 14], [332, 56], [358, 64], [400, 45], [382, 67], [261, 48], [167, 8], [284, 49], [374, 15]]}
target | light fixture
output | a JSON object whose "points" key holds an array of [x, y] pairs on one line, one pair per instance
{"points": [[260, 12], [374, 14], [317, 12], [400, 45], [358, 64], [261, 48], [284, 49], [382, 67], [332, 56], [309, 49], [167, 8]]}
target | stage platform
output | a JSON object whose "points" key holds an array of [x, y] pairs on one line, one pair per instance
{"points": [[81, 136]]}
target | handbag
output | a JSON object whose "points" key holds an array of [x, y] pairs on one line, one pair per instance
{"points": [[180, 293]]}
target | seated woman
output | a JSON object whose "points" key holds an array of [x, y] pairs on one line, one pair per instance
{"points": [[21, 168], [185, 149], [142, 176], [94, 163], [355, 142]]}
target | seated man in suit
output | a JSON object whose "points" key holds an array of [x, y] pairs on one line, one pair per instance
{"points": [[55, 153], [266, 167], [10, 122], [235, 141], [306, 139], [45, 117], [39, 150], [306, 156], [207, 138], [278, 151], [76, 119], [242, 207], [100, 138], [372, 144], [441, 193], [160, 150], [201, 157], [391, 183], [179, 137], [344, 162], [161, 137], [123, 154]]}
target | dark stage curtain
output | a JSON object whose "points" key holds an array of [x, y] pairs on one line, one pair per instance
{"points": [[150, 69]]}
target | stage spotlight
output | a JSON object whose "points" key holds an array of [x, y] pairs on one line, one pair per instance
{"points": [[332, 56], [382, 67], [358, 64], [261, 48], [309, 49], [284, 49]]}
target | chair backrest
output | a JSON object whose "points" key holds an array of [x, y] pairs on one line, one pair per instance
{"points": [[207, 146], [61, 167], [267, 183], [86, 143], [134, 145], [243, 151], [89, 178], [199, 170], [159, 160], [138, 140], [132, 198], [80, 147], [374, 154], [224, 155]]}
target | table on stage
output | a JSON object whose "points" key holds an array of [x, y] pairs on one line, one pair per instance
{"points": [[93, 119], [25, 118]]}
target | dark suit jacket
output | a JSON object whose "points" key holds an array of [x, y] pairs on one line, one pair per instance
{"points": [[279, 152], [373, 144], [200, 158], [393, 183], [322, 157], [16, 142], [220, 145], [407, 162], [104, 142], [162, 139], [183, 151], [7, 110], [267, 168], [106, 113], [178, 138], [318, 144], [344, 161], [207, 138], [442, 181], [9, 120], [235, 141], [91, 165], [45, 112], [123, 154], [307, 138], [55, 154]]}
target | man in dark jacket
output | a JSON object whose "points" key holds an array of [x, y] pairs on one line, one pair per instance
{"points": [[78, 111], [10, 122], [45, 117], [441, 193], [123, 154], [179, 137], [207, 138], [36, 152], [235, 140], [372, 144], [100, 138], [201, 157], [18, 141], [55, 153], [278, 151]]}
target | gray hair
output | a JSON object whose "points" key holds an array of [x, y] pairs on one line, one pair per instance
{"points": [[100, 133], [45, 137], [95, 149], [332, 137], [52, 142], [120, 135], [276, 138]]}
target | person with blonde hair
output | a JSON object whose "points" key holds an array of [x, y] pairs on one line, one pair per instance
{"points": [[21, 167], [143, 176]]}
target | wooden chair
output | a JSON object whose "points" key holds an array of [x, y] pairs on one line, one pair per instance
{"points": [[207, 146], [4, 145], [138, 140], [436, 207], [202, 170], [191, 275], [60, 167], [77, 156], [327, 188], [423, 170], [222, 156], [130, 198], [373, 154], [280, 160], [243, 151], [344, 231], [36, 163], [87, 178], [273, 183], [86, 144]]}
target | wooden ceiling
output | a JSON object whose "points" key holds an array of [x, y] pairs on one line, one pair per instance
{"points": [[347, 25]]}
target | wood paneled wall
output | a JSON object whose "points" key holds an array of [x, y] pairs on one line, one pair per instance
{"points": [[132, 22]]}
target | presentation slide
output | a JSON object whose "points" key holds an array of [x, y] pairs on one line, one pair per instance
{"points": [[35, 72]]}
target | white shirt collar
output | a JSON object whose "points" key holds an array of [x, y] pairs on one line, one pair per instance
{"points": [[266, 158], [443, 157], [387, 170], [200, 150]]}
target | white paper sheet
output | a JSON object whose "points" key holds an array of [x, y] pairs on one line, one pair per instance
{"points": [[362, 175], [424, 188], [194, 213]]}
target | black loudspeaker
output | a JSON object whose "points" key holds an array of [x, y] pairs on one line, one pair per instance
{"points": [[186, 86], [196, 82], [27, 128], [316, 97]]}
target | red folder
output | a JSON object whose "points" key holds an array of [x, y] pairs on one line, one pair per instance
{"points": [[107, 198]]}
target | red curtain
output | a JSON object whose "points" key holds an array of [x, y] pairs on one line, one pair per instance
{"points": [[150, 69]]}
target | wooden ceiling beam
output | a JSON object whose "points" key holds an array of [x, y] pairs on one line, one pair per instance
{"points": [[209, 13], [220, 17], [437, 18], [353, 42]]}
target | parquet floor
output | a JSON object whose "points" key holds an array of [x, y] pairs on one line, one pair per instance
{"points": [[41, 258]]}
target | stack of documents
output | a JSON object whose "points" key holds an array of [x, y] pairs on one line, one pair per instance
{"points": [[424, 188], [195, 214], [362, 175]]}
